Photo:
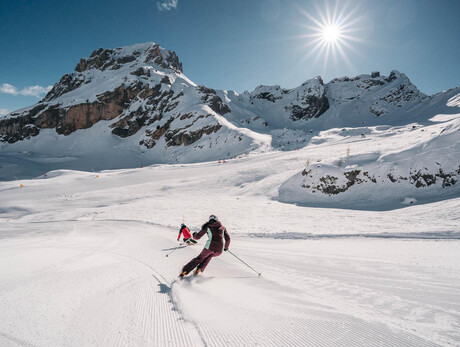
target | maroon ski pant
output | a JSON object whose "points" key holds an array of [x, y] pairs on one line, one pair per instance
{"points": [[202, 260]]}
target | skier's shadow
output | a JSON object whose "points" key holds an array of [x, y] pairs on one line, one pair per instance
{"points": [[164, 289]]}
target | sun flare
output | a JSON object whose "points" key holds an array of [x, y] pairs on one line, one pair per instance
{"points": [[331, 32]]}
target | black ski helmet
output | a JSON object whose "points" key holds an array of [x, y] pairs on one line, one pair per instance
{"points": [[213, 218]]}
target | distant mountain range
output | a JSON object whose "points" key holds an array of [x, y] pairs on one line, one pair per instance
{"points": [[133, 106], [141, 92]]}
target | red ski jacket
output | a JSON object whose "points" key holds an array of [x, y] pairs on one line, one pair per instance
{"points": [[216, 235], [186, 233]]}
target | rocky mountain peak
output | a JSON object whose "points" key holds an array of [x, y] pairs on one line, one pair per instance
{"points": [[302, 103], [148, 53], [382, 93], [374, 79], [395, 74], [130, 60], [317, 79]]}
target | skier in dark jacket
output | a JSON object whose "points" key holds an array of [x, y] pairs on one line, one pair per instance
{"points": [[213, 248]]}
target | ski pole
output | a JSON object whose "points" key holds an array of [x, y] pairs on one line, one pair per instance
{"points": [[175, 249], [257, 272]]}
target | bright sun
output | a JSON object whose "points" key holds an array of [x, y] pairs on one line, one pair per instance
{"points": [[331, 31]]}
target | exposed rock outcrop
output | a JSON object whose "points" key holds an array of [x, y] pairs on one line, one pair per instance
{"points": [[332, 185], [182, 137], [66, 120], [341, 181], [212, 100], [312, 101], [316, 106]]}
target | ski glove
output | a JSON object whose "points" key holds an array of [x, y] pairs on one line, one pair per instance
{"points": [[225, 249]]}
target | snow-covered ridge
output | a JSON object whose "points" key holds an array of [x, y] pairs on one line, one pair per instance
{"points": [[142, 94], [133, 106], [428, 169], [364, 99]]}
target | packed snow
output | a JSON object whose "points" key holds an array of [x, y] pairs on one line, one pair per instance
{"points": [[84, 259], [344, 196]]}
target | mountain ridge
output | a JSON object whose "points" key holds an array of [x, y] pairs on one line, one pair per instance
{"points": [[133, 106], [104, 85]]}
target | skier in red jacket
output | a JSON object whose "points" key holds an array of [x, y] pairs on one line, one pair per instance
{"points": [[213, 248], [187, 235]]}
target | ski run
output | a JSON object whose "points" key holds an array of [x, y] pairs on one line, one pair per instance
{"points": [[83, 259]]}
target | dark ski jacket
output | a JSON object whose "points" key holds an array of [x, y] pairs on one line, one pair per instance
{"points": [[216, 234]]}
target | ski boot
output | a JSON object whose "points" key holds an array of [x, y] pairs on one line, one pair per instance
{"points": [[182, 275], [198, 271]]}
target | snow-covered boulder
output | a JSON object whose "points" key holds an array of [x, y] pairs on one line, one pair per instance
{"points": [[427, 172]]}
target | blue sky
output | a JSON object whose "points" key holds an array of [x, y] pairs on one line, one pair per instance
{"points": [[235, 44]]}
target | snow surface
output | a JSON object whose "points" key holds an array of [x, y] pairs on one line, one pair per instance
{"points": [[83, 253], [83, 260]]}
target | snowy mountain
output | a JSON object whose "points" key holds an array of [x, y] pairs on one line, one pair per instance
{"points": [[133, 106], [315, 105], [141, 94]]}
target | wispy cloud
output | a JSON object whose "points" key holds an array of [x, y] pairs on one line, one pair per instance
{"points": [[8, 89], [167, 5], [4, 111], [36, 91]]}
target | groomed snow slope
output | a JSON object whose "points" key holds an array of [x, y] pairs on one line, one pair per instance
{"points": [[108, 283], [83, 259]]}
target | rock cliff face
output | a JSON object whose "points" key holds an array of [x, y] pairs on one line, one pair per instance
{"points": [[66, 120], [302, 103], [280, 107], [135, 87]]}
